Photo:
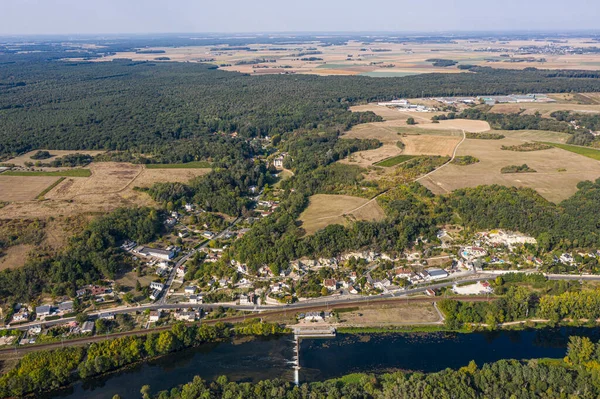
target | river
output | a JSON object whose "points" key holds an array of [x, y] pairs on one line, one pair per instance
{"points": [[265, 358]]}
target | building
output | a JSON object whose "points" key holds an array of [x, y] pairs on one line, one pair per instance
{"points": [[21, 316], [208, 234], [278, 161], [155, 285], [44, 310], [154, 316], [313, 316], [185, 316], [87, 327], [330, 284], [191, 290], [195, 298], [65, 306], [163, 254], [437, 274], [107, 316], [430, 292]]}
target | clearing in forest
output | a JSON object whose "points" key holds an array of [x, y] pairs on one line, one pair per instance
{"points": [[324, 210], [558, 171]]}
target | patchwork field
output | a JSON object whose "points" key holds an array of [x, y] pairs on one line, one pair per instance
{"points": [[461, 124], [110, 186], [20, 160], [324, 210], [16, 188], [545, 108], [558, 171], [371, 59]]}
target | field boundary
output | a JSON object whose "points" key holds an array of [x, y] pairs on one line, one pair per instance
{"points": [[587, 152], [40, 196]]}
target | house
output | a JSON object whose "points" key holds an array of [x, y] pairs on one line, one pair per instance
{"points": [[208, 234], [107, 316], [44, 310], [189, 207], [253, 189], [195, 298], [155, 294], [430, 292], [353, 290], [80, 292], [97, 290], [330, 284], [87, 327], [164, 254], [181, 271], [21, 316], [278, 161], [191, 290], [185, 316], [65, 306], [402, 272], [154, 316], [155, 285]]}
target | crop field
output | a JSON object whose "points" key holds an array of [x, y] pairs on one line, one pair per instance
{"points": [[188, 165], [558, 171], [16, 188], [592, 153], [545, 108], [60, 173], [394, 160], [324, 210], [389, 315], [430, 145], [373, 59], [467, 125], [20, 160], [111, 185], [534, 135]]}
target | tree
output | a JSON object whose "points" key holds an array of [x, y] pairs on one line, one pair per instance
{"points": [[324, 291], [145, 391], [81, 317], [411, 121]]}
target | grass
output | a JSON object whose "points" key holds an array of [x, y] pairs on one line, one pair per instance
{"points": [[63, 173], [393, 161], [585, 151], [433, 328], [50, 187], [188, 165]]}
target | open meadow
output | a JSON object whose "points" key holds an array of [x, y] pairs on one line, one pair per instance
{"points": [[324, 210], [558, 171], [110, 185]]}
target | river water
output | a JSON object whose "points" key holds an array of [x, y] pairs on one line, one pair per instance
{"points": [[266, 358]]}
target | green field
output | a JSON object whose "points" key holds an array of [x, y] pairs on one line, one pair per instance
{"points": [[393, 161], [47, 190], [60, 173], [188, 165], [585, 151]]}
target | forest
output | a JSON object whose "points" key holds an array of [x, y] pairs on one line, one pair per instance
{"points": [[142, 106]]}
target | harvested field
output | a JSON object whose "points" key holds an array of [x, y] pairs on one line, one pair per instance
{"points": [[16, 188], [534, 135], [110, 186], [545, 108], [21, 159], [430, 145], [324, 210], [548, 181], [467, 125], [14, 257], [389, 315]]}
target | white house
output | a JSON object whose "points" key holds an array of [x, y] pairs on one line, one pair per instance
{"points": [[154, 316], [190, 290], [157, 286]]}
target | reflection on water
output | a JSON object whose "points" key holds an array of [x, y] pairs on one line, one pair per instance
{"points": [[266, 358]]}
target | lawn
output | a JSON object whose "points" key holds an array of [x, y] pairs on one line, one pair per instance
{"points": [[585, 151], [188, 165], [59, 173], [393, 161]]}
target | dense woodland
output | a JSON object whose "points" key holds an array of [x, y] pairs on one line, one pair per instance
{"points": [[143, 106]]}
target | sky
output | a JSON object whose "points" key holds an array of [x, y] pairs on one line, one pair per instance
{"points": [[190, 16]]}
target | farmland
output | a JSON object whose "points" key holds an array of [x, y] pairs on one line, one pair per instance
{"points": [[394, 160], [545, 109], [110, 185], [13, 188], [61, 173], [379, 59], [188, 165], [558, 171], [324, 210], [592, 153]]}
